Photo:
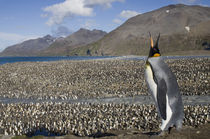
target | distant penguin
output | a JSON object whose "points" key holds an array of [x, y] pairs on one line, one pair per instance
{"points": [[164, 89]]}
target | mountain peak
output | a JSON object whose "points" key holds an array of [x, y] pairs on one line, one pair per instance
{"points": [[29, 47], [48, 37], [87, 30], [176, 5], [77, 39], [82, 30]]}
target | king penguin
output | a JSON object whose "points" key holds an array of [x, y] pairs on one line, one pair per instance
{"points": [[164, 89]]}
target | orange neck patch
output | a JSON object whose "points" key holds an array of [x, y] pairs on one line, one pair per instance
{"points": [[156, 55]]}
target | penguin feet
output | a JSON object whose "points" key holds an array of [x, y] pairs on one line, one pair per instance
{"points": [[166, 132], [163, 133], [169, 130]]}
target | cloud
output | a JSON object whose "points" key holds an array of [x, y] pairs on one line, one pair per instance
{"points": [[106, 3], [61, 31], [117, 21], [125, 14], [69, 8], [7, 39], [58, 12], [128, 14]]}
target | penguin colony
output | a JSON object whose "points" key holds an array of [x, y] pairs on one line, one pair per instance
{"points": [[164, 89], [104, 78], [84, 119], [94, 79]]}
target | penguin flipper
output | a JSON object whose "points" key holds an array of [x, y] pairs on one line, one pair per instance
{"points": [[161, 97]]}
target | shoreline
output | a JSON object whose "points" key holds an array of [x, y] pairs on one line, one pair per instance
{"points": [[10, 59]]}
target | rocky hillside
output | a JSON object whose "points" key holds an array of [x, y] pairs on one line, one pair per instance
{"points": [[50, 46], [182, 28], [29, 47], [63, 46]]}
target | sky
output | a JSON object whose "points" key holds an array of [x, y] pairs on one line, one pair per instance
{"points": [[21, 20]]}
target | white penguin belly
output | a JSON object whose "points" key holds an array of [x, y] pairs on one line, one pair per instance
{"points": [[152, 85], [168, 114]]}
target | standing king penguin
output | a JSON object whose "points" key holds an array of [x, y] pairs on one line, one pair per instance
{"points": [[164, 89]]}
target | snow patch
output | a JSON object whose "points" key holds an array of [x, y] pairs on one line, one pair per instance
{"points": [[167, 11], [187, 28]]}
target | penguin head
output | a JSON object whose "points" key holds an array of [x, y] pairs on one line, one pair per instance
{"points": [[154, 50]]}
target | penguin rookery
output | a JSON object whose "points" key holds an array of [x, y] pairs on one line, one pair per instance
{"points": [[164, 88]]}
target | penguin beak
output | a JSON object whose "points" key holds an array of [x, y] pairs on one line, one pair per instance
{"points": [[157, 40], [151, 40], [152, 43], [154, 51]]}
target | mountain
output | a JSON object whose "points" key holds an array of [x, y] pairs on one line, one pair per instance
{"points": [[182, 28], [63, 46], [29, 48]]}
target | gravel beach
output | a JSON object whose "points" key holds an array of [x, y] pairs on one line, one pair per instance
{"points": [[49, 84]]}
